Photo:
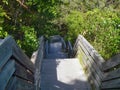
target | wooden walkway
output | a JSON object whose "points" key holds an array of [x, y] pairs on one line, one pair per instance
{"points": [[51, 69], [60, 73]]}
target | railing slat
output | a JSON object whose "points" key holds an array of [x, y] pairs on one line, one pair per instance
{"points": [[112, 84], [19, 84], [22, 58], [94, 54], [91, 67], [70, 49], [6, 74], [22, 72], [46, 48], [5, 51], [112, 75], [92, 60], [114, 61]]}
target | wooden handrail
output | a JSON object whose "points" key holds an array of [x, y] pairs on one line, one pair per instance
{"points": [[46, 48], [22, 57], [17, 72], [69, 49], [90, 60], [63, 43], [14, 64], [5, 51], [38, 61]]}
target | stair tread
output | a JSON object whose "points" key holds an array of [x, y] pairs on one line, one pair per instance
{"points": [[63, 74]]}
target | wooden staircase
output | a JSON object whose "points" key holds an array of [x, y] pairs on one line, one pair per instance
{"points": [[55, 66], [60, 72], [17, 71]]}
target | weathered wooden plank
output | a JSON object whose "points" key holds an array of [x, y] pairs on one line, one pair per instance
{"points": [[38, 61], [23, 85], [20, 56], [6, 74], [114, 61], [93, 69], [55, 38], [92, 62], [22, 72], [94, 66], [19, 84], [63, 43], [112, 75], [112, 84], [92, 76], [1, 40], [94, 54], [76, 42], [5, 51], [94, 83], [70, 46], [10, 83], [70, 49], [46, 48], [75, 48]]}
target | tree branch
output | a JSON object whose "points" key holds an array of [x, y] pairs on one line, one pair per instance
{"points": [[23, 5]]}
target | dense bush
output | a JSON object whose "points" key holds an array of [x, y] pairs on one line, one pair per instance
{"points": [[75, 22], [2, 15], [98, 21], [29, 43], [27, 20], [100, 27]]}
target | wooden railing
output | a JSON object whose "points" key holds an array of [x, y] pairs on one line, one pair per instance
{"points": [[63, 44], [46, 48], [90, 60], [102, 75], [58, 38], [15, 67], [111, 69], [69, 49], [38, 61], [17, 72]]}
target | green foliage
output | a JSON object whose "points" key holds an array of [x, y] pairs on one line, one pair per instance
{"points": [[100, 27], [103, 32], [2, 15], [74, 21], [27, 20], [97, 20], [29, 42]]}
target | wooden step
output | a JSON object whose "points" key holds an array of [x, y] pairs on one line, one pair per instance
{"points": [[55, 56], [19, 84], [63, 74]]}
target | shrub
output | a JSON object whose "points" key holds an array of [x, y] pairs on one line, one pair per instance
{"points": [[100, 27], [2, 15], [29, 42]]}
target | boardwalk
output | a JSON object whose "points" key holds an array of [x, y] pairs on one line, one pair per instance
{"points": [[60, 73]]}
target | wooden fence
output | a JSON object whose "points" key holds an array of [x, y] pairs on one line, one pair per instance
{"points": [[16, 70], [102, 75]]}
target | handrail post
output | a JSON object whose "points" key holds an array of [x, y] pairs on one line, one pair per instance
{"points": [[46, 48], [69, 49], [63, 44]]}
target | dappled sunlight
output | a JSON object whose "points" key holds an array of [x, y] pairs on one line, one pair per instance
{"points": [[60, 73]]}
